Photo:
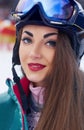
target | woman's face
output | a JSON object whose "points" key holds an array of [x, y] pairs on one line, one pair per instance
{"points": [[36, 52]]}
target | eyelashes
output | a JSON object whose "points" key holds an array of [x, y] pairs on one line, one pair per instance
{"points": [[26, 40], [49, 43]]}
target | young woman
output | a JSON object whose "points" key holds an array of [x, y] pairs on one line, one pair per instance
{"points": [[48, 88]]}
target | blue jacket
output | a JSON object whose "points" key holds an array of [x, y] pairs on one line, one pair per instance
{"points": [[12, 115]]}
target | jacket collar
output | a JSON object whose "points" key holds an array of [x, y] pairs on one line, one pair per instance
{"points": [[25, 86]]}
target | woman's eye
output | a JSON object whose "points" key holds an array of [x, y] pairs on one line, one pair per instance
{"points": [[51, 43], [26, 40]]}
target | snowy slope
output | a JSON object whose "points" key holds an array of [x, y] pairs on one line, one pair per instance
{"points": [[5, 68]]}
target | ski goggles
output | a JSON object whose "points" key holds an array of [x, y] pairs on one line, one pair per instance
{"points": [[53, 11]]}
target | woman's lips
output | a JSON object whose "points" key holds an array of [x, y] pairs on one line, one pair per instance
{"points": [[36, 66]]}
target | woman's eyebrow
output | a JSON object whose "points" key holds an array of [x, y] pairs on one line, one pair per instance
{"points": [[50, 34], [45, 36], [28, 33]]}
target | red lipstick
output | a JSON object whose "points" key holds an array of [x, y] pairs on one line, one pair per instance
{"points": [[35, 66]]}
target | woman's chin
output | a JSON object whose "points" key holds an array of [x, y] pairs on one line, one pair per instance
{"points": [[33, 79]]}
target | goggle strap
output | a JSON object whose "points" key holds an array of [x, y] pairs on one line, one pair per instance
{"points": [[80, 21]]}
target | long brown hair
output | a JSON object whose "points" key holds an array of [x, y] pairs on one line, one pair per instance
{"points": [[63, 108]]}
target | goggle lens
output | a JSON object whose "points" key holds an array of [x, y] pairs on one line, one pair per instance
{"points": [[53, 9]]}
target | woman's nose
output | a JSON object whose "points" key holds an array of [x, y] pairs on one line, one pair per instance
{"points": [[35, 52]]}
